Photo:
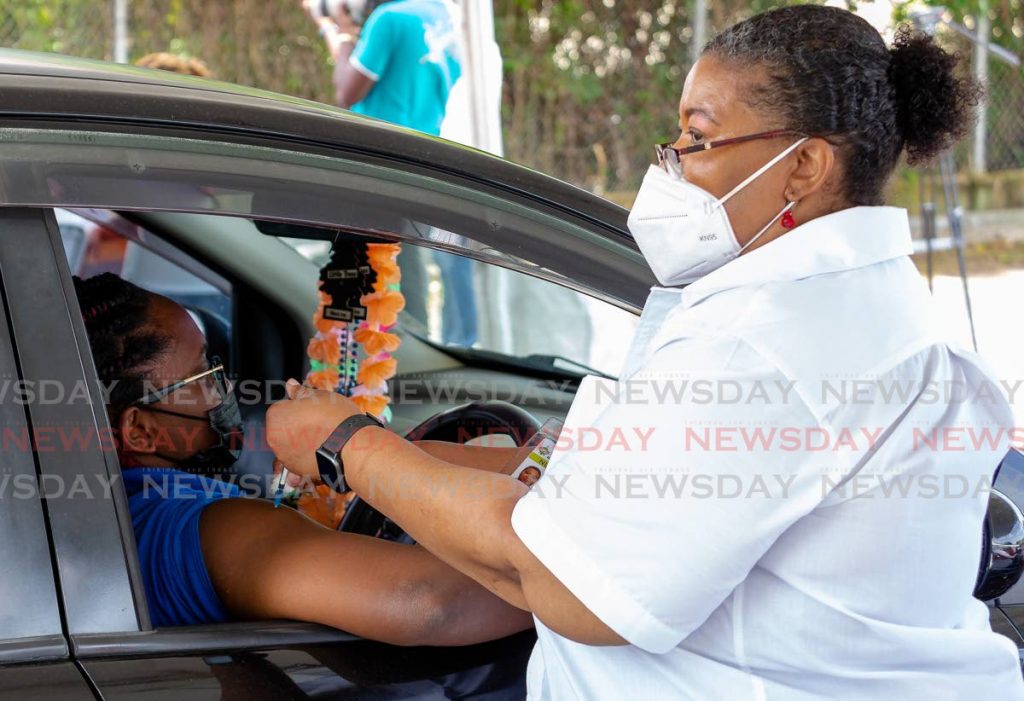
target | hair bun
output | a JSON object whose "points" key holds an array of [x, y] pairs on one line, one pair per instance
{"points": [[934, 106]]}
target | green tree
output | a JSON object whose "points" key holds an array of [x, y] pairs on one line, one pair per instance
{"points": [[591, 85]]}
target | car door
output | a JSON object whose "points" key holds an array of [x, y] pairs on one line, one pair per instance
{"points": [[106, 610]]}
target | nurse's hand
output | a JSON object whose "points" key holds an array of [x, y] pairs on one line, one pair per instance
{"points": [[297, 426]]}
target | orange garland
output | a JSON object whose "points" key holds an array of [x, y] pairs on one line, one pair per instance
{"points": [[324, 505], [328, 368], [382, 308]]}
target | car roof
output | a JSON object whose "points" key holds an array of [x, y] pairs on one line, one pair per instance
{"points": [[61, 89]]}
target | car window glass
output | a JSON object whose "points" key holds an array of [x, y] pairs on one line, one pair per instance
{"points": [[99, 241], [457, 301]]}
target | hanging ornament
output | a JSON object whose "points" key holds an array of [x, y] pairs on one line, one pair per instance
{"points": [[360, 299]]}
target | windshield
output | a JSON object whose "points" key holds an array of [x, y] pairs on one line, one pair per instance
{"points": [[459, 302]]}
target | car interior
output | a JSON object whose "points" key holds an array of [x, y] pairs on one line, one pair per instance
{"points": [[236, 230]]}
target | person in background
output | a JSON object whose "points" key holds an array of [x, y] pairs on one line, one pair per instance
{"points": [[174, 63], [400, 66]]}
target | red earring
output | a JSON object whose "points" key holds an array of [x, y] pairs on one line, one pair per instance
{"points": [[788, 222]]}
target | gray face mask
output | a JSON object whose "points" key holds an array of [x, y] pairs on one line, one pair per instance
{"points": [[225, 420]]}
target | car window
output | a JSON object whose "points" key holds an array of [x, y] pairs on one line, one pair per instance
{"points": [[457, 301], [101, 241], [211, 180]]}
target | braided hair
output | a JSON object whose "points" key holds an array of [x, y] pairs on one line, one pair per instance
{"points": [[831, 75], [124, 345]]}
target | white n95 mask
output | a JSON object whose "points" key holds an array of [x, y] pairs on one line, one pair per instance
{"points": [[682, 230]]}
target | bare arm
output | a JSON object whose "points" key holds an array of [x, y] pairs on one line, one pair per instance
{"points": [[350, 85], [276, 563], [503, 460], [461, 515], [433, 500]]}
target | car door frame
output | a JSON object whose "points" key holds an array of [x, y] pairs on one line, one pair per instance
{"points": [[95, 629], [54, 347], [35, 653], [91, 537]]}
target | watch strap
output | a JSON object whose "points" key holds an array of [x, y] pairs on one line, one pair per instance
{"points": [[328, 455]]}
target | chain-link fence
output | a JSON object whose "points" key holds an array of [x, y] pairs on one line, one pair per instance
{"points": [[1002, 129], [1004, 142], [60, 26]]}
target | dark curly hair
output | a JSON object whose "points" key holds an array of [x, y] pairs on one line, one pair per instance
{"points": [[831, 75], [124, 346]]}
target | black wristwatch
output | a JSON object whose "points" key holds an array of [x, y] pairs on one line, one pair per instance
{"points": [[328, 455]]}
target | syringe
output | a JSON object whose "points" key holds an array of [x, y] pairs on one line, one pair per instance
{"points": [[281, 481]]}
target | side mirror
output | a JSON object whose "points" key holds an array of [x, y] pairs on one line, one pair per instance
{"points": [[1002, 560]]}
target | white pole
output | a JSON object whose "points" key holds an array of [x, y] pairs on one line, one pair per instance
{"points": [[482, 72], [700, 29], [978, 159], [121, 31]]}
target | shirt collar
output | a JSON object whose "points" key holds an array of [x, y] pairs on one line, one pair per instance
{"points": [[844, 240]]}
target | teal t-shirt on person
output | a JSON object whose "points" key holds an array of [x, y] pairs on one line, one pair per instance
{"points": [[410, 48]]}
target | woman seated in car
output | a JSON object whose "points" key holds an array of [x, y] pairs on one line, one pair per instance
{"points": [[209, 556]]}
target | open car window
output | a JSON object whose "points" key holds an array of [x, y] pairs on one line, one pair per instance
{"points": [[456, 301], [216, 192], [101, 241]]}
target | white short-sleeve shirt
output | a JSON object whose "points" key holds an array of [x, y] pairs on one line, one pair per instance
{"points": [[782, 497]]}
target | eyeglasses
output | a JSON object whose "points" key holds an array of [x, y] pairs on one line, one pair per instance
{"points": [[216, 372], [670, 157]]}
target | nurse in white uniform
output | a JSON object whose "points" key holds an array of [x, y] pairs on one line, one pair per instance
{"points": [[787, 497]]}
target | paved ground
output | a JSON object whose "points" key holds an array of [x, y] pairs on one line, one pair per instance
{"points": [[999, 323]]}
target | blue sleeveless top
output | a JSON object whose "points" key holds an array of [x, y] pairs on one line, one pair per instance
{"points": [[165, 506]]}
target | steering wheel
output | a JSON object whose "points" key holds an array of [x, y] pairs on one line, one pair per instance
{"points": [[457, 425]]}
